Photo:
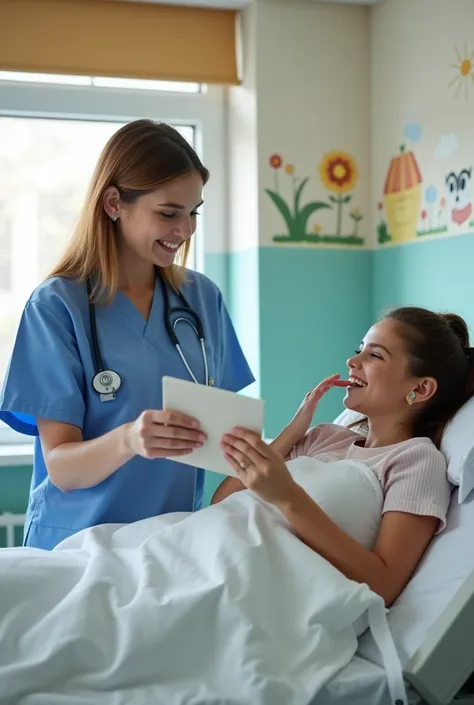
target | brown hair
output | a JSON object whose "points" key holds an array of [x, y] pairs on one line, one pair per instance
{"points": [[139, 157], [438, 346]]}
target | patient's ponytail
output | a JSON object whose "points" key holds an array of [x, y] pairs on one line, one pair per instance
{"points": [[438, 346]]}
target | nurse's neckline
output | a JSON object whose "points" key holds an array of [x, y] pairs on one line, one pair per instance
{"points": [[142, 302]]}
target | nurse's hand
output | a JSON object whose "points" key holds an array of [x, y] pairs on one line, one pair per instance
{"points": [[258, 466], [164, 434]]}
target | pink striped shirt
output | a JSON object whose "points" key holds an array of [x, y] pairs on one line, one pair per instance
{"points": [[412, 474]]}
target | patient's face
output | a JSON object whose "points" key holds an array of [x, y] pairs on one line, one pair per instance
{"points": [[379, 373]]}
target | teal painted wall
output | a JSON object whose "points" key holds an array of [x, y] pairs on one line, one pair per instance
{"points": [[216, 267], [237, 276], [436, 274], [315, 306], [15, 485]]}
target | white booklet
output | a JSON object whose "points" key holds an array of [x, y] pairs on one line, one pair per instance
{"points": [[218, 411]]}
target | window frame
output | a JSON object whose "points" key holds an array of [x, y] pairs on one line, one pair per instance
{"points": [[204, 111]]}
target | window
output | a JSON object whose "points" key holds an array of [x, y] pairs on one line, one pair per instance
{"points": [[45, 167], [101, 82], [51, 136]]}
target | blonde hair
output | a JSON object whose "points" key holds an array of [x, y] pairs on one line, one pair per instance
{"points": [[139, 157]]}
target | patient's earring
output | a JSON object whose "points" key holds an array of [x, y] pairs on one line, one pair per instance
{"points": [[113, 218], [410, 398]]}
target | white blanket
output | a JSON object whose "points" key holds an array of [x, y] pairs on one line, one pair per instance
{"points": [[221, 607]]}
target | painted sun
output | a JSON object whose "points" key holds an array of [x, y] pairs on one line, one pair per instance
{"points": [[464, 67]]}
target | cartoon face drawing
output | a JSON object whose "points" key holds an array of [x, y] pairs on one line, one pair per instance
{"points": [[458, 195]]}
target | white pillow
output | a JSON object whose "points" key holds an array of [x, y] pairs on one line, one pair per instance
{"points": [[457, 446], [348, 417]]}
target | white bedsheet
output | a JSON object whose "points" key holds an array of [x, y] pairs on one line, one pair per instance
{"points": [[361, 682], [223, 606], [445, 566]]}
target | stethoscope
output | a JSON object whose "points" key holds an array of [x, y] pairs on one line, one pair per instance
{"points": [[106, 383]]}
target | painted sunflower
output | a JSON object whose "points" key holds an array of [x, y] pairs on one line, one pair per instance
{"points": [[338, 172]]}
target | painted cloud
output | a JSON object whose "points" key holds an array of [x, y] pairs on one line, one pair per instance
{"points": [[447, 145]]}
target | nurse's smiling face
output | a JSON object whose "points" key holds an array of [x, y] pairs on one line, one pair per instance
{"points": [[157, 224]]}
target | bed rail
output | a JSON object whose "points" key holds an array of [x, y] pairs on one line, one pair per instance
{"points": [[445, 659]]}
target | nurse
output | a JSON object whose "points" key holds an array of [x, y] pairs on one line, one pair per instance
{"points": [[96, 338]]}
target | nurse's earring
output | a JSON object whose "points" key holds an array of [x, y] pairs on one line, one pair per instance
{"points": [[410, 398], [113, 218]]}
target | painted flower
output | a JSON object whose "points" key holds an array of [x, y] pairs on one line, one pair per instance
{"points": [[317, 228], [276, 161], [431, 195], [380, 206], [289, 169], [424, 215], [338, 172], [356, 216]]}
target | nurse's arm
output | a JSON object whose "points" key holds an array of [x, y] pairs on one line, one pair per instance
{"points": [[75, 464]]}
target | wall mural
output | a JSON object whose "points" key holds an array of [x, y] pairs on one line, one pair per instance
{"points": [[411, 209], [402, 196], [458, 189], [433, 220], [447, 145], [464, 78], [338, 174]]}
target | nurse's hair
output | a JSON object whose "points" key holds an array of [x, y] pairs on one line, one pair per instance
{"points": [[139, 157]]}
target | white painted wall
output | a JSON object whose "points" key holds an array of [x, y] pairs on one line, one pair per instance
{"points": [[305, 93]]}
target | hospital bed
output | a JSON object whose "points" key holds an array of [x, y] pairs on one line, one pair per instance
{"points": [[432, 624]]}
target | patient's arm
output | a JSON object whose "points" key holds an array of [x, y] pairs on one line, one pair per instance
{"points": [[401, 543], [301, 422], [286, 440], [402, 538], [226, 488]]}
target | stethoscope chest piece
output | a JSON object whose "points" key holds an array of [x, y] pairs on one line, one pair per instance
{"points": [[106, 383]]}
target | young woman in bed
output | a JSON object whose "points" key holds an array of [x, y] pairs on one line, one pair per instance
{"points": [[413, 371]]}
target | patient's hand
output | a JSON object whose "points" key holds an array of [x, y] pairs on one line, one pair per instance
{"points": [[258, 466], [304, 416]]}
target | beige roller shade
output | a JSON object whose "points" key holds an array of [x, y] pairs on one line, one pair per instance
{"points": [[120, 39]]}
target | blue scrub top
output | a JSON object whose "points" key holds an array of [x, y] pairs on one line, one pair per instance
{"points": [[50, 375]]}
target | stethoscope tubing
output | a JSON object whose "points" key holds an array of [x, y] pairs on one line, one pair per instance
{"points": [[168, 311]]}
